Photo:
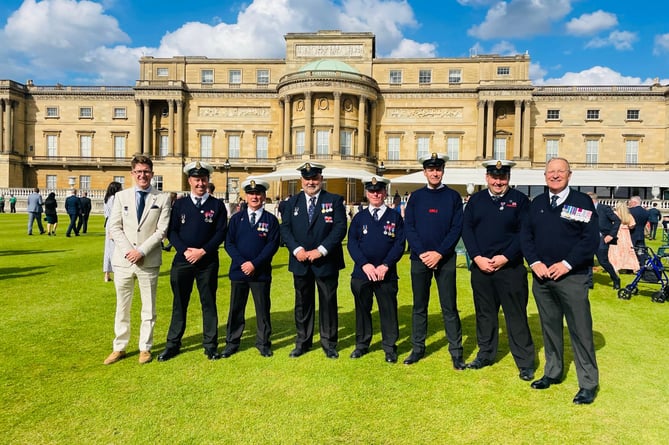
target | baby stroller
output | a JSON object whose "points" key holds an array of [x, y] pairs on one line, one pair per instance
{"points": [[652, 271]]}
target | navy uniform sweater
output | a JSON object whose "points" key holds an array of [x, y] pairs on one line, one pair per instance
{"points": [[376, 242], [257, 244], [493, 228], [433, 221], [569, 232], [200, 228]]}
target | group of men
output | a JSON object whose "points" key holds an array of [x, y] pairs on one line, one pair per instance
{"points": [[78, 209], [557, 233]]}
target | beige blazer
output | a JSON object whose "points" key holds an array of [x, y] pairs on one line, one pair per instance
{"points": [[145, 235]]}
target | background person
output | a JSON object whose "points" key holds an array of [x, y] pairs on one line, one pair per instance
{"points": [[491, 233], [654, 217], [376, 244], [107, 268], [12, 203], [197, 229], [82, 224], [559, 239], [73, 209], [50, 214], [621, 254], [433, 224], [313, 225], [137, 224], [252, 241], [34, 208], [609, 225]]}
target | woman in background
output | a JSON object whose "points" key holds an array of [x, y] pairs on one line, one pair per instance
{"points": [[112, 188], [621, 254], [50, 216]]}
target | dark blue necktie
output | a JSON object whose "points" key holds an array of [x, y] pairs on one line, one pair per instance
{"points": [[198, 202], [140, 204], [375, 214], [312, 209], [554, 199], [253, 218]]}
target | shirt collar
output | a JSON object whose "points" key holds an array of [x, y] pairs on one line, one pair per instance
{"points": [[204, 198]]}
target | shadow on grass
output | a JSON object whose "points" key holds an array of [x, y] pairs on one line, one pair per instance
{"points": [[8, 273], [29, 252]]}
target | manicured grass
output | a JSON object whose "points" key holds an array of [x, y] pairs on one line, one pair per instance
{"points": [[56, 328]]}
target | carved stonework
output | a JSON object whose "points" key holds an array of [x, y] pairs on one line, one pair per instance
{"points": [[415, 113], [234, 112], [356, 50], [398, 95]]}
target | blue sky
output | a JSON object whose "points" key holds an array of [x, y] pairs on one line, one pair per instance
{"points": [[570, 42]]}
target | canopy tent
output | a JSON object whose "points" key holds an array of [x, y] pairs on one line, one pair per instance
{"points": [[594, 178]]}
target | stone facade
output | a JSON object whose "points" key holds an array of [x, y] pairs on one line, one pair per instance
{"points": [[330, 100]]}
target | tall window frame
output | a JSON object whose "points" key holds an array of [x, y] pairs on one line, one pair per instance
{"points": [[394, 146], [322, 142]]}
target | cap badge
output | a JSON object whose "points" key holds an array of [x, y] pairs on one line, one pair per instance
{"points": [[253, 184], [197, 165], [498, 165], [374, 181]]}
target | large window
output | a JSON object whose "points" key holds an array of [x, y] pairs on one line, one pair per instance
{"points": [[299, 142], [553, 115], [51, 145], [591, 151], [592, 115], [234, 142], [633, 115], [453, 148], [52, 112], [119, 146], [162, 72], [395, 77], [262, 77], [346, 142], [86, 145], [631, 151], [393, 148], [207, 76], [262, 146], [51, 182], [503, 70], [84, 182], [552, 149], [206, 146], [235, 77], [425, 77], [157, 182], [499, 150], [120, 113], [86, 112], [422, 146], [163, 145], [120, 180], [322, 142], [455, 76]]}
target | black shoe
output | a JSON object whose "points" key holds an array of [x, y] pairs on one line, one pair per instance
{"points": [[391, 357], [414, 357], [359, 352], [212, 354], [296, 352], [458, 363], [331, 353], [544, 383], [167, 354], [265, 351], [229, 351], [526, 374], [42, 232], [616, 286], [585, 396], [479, 363]]}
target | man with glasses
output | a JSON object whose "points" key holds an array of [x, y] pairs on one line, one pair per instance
{"points": [[137, 224], [559, 238]]}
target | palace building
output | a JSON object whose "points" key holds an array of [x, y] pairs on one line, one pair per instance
{"points": [[333, 101]]}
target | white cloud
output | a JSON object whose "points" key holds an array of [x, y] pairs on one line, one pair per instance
{"points": [[520, 18], [588, 24], [411, 48], [620, 40], [597, 75], [504, 48], [537, 73], [661, 44]]}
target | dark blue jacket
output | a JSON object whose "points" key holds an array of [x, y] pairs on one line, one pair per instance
{"points": [[328, 228], [72, 205], [553, 235], [257, 244], [376, 242]]}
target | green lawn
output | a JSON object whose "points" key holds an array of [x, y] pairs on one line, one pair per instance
{"points": [[56, 328]]}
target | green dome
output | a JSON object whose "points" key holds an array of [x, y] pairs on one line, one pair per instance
{"points": [[328, 65]]}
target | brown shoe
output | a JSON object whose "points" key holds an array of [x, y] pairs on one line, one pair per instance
{"points": [[114, 357], [145, 357]]}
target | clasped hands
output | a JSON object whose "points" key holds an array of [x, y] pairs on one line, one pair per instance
{"points": [[308, 255], [377, 273], [554, 272], [490, 265]]}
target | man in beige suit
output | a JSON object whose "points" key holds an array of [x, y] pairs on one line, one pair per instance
{"points": [[137, 224]]}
